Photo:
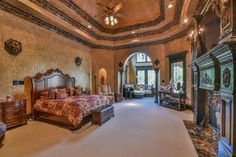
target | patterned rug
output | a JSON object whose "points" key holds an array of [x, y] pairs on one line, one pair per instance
{"points": [[205, 142]]}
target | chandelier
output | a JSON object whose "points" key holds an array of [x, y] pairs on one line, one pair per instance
{"points": [[111, 20]]}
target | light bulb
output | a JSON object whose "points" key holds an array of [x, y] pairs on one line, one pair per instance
{"points": [[111, 18], [115, 21], [106, 19]]}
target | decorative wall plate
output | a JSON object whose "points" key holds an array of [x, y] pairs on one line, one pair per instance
{"points": [[13, 47]]}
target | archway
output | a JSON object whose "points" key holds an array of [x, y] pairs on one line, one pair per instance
{"points": [[144, 71]]}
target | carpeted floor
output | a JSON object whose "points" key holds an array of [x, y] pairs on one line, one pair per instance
{"points": [[140, 129]]}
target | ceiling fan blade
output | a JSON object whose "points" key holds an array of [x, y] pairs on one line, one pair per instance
{"points": [[104, 7], [121, 15], [118, 7], [100, 15]]}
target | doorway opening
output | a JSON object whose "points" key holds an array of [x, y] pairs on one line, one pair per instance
{"points": [[138, 76]]}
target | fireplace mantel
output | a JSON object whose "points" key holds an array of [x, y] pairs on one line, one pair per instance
{"points": [[215, 71]]}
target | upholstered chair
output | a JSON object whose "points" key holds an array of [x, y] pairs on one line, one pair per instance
{"points": [[105, 90]]}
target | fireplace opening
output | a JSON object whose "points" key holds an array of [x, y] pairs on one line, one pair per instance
{"points": [[214, 110]]}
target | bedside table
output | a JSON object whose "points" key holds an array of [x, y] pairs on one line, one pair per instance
{"points": [[13, 113]]}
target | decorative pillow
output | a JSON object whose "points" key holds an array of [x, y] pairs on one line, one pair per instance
{"points": [[71, 91], [44, 94], [149, 87], [104, 89], [78, 91], [53, 93], [61, 93], [109, 88]]}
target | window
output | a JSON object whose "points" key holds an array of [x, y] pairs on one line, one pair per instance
{"points": [[145, 75], [178, 70], [142, 57], [151, 77], [177, 74], [141, 76]]}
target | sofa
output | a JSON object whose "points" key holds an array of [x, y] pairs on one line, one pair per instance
{"points": [[138, 91], [147, 89], [105, 90]]}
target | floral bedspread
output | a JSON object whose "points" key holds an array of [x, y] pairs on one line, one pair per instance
{"points": [[74, 108]]}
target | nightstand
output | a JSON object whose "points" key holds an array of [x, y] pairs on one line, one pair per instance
{"points": [[13, 113]]}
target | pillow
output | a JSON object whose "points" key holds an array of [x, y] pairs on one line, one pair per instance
{"points": [[149, 87], [71, 91], [61, 93], [44, 94], [78, 91], [53, 93], [104, 89]]}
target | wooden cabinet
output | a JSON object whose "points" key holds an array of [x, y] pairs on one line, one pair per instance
{"points": [[13, 113]]}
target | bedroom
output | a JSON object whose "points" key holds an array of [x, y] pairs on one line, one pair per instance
{"points": [[75, 37]]}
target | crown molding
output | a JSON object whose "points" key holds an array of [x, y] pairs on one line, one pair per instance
{"points": [[42, 23]]}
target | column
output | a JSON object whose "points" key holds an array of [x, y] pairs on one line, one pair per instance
{"points": [[121, 81], [156, 85]]}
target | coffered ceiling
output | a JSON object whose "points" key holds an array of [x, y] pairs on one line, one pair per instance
{"points": [[145, 22]]}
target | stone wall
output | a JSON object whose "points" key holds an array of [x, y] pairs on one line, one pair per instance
{"points": [[42, 50]]}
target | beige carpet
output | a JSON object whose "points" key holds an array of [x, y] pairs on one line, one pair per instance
{"points": [[140, 129]]}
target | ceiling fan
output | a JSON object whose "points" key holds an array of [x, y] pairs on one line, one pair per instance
{"points": [[110, 12]]}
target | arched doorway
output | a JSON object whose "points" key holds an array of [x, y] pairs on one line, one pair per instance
{"points": [[137, 70]]}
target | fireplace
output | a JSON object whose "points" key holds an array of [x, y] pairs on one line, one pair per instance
{"points": [[214, 94]]}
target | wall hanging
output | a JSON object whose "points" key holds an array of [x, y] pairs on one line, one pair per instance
{"points": [[78, 61], [13, 47]]}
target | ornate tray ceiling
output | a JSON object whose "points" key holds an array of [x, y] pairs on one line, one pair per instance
{"points": [[148, 21]]}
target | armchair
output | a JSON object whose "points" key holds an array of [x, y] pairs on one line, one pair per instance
{"points": [[105, 90]]}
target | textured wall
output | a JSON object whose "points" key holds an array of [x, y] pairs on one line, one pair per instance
{"points": [[111, 59], [42, 50]]}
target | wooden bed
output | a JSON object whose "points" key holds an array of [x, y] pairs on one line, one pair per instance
{"points": [[52, 79]]}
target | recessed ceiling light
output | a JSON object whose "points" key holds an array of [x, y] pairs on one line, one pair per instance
{"points": [[170, 6], [133, 32], [135, 40], [89, 26]]}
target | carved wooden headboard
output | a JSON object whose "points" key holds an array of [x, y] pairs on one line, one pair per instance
{"points": [[53, 78]]}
